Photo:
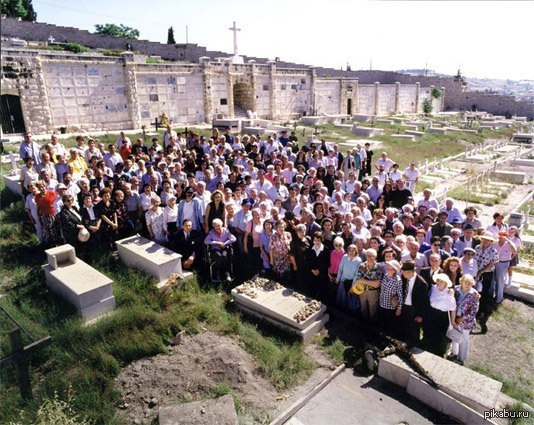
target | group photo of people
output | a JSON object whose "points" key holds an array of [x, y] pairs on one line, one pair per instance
{"points": [[345, 228]]}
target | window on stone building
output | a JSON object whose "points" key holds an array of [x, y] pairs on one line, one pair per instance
{"points": [[283, 87], [266, 87], [303, 81], [349, 88], [153, 97], [293, 87], [224, 101]]}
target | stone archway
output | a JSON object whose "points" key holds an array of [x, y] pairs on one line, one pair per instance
{"points": [[243, 99], [11, 117]]}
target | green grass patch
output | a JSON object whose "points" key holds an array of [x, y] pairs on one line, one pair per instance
{"points": [[519, 389], [496, 195], [86, 359]]}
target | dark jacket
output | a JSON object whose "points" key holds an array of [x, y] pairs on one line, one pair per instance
{"points": [[425, 274], [420, 296], [190, 247]]}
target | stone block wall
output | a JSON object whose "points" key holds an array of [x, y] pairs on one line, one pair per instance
{"points": [[386, 99], [407, 98], [366, 99], [262, 96], [327, 97], [177, 91], [89, 95], [293, 93]]}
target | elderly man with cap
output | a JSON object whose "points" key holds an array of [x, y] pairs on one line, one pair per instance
{"points": [[190, 209], [486, 257], [30, 149], [416, 308]]}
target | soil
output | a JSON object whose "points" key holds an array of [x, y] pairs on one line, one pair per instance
{"points": [[193, 369]]}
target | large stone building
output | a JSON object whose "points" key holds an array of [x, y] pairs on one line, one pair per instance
{"points": [[45, 90]]}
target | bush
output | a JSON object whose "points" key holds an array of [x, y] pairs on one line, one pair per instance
{"points": [[75, 48]]}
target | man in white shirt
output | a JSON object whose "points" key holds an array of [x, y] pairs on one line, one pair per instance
{"points": [[452, 211], [411, 175], [385, 162], [262, 183], [112, 158], [169, 133], [122, 138], [278, 190], [427, 200]]}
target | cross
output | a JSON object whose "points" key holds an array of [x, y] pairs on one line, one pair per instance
{"points": [[20, 356], [51, 39], [156, 123], [235, 29]]}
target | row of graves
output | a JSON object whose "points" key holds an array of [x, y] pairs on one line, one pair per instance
{"points": [[447, 387]]}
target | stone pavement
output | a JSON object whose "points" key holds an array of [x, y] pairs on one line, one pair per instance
{"points": [[352, 400]]}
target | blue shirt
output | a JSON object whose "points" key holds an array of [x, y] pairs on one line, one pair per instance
{"points": [[348, 269]]}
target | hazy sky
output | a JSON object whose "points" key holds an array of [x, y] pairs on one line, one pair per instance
{"points": [[484, 38]]}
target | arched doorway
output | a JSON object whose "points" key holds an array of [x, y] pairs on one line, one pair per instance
{"points": [[349, 106], [243, 100], [11, 114]]}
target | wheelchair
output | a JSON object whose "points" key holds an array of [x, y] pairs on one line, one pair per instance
{"points": [[219, 263]]}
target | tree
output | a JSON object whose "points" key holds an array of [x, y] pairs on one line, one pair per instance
{"points": [[436, 93], [114, 30], [170, 36], [427, 106], [19, 9]]}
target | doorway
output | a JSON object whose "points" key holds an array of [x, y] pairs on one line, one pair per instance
{"points": [[11, 114], [349, 106]]}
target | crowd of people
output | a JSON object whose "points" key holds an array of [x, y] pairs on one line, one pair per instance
{"points": [[341, 227]]}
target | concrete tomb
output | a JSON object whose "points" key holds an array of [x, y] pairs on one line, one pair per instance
{"points": [[409, 137], [473, 389], [523, 138], [151, 258], [314, 120], [78, 283], [510, 176], [283, 307], [366, 131]]}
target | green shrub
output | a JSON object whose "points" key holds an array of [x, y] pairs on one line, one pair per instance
{"points": [[75, 48]]}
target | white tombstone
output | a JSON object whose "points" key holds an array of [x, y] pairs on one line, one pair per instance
{"points": [[78, 283], [150, 257]]}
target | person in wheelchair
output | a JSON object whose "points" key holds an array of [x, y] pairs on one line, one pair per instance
{"points": [[219, 243]]}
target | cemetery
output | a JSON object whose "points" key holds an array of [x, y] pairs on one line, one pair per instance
{"points": [[132, 331]]}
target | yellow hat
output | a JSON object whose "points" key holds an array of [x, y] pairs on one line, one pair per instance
{"points": [[357, 288]]}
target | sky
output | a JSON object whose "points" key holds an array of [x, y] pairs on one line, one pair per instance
{"points": [[485, 39]]}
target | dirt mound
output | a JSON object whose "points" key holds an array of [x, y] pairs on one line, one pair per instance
{"points": [[191, 371]]}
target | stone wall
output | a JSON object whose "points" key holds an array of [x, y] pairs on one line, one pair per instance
{"points": [[93, 92]]}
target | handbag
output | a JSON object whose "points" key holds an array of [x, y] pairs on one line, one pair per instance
{"points": [[347, 284], [394, 301], [454, 334]]}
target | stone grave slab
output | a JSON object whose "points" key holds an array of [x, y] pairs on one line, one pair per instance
{"points": [[336, 118], [479, 158], [409, 137], [415, 133], [150, 257], [314, 120], [205, 412], [507, 148], [366, 131], [13, 184], [410, 127], [343, 125], [520, 119], [78, 283], [253, 130], [363, 118], [471, 388], [438, 130], [523, 138], [522, 162], [277, 128], [279, 306], [384, 121], [443, 403], [512, 176]]}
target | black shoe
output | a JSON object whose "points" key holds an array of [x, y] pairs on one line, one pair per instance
{"points": [[483, 328]]}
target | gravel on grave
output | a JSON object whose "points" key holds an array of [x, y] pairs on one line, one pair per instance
{"points": [[190, 372]]}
